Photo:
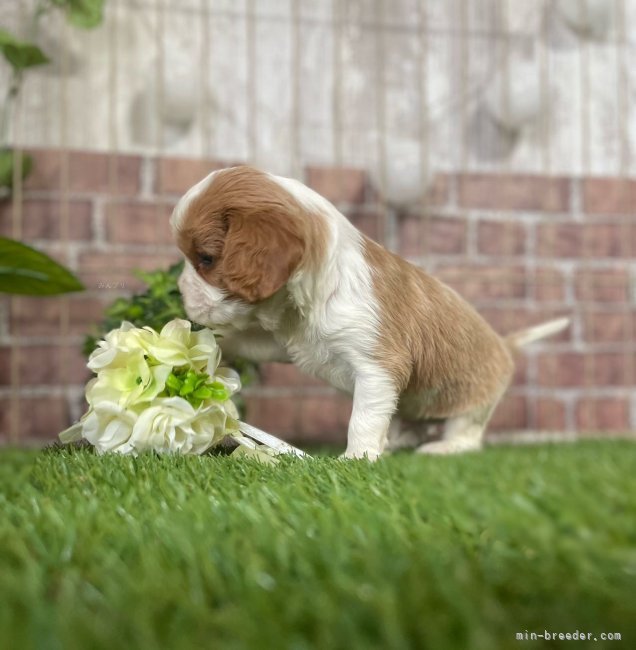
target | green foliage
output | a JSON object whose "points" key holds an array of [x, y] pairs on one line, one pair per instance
{"points": [[106, 552], [85, 14], [194, 387], [20, 54], [23, 270], [7, 165]]}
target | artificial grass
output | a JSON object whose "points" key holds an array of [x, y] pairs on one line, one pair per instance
{"points": [[411, 552]]}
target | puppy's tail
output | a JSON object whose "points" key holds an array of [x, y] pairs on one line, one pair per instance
{"points": [[531, 334]]}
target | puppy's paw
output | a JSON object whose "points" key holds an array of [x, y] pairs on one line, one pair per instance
{"points": [[443, 447]]}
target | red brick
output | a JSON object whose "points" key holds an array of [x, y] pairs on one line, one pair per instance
{"points": [[42, 219], [510, 414], [514, 192], [549, 285], [339, 185], [501, 238], [520, 377], [550, 414], [286, 374], [39, 417], [484, 283], [86, 172], [562, 369], [43, 316], [585, 369], [431, 235], [115, 270], [315, 419], [44, 365], [609, 196], [178, 175], [585, 240], [600, 414], [139, 223], [438, 193], [609, 326], [613, 369], [602, 285], [370, 223], [276, 415], [325, 418]]}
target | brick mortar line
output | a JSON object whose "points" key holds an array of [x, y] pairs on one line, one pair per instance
{"points": [[572, 392], [148, 177], [42, 340], [292, 391], [538, 216], [121, 248], [522, 262], [576, 199], [89, 196], [42, 390]]}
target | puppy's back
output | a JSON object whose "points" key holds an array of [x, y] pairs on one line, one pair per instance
{"points": [[443, 355]]}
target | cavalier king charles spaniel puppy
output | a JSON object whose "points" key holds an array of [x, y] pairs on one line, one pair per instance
{"points": [[282, 275]]}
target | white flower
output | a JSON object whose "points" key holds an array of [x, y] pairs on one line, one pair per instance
{"points": [[129, 384], [173, 425], [177, 345], [157, 392], [107, 425], [113, 351]]}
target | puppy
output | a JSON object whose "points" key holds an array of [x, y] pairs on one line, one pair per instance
{"points": [[275, 269]]}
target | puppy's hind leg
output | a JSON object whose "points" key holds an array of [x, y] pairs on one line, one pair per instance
{"points": [[461, 433]]}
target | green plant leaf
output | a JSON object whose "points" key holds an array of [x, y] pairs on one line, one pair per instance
{"points": [[218, 391], [85, 14], [23, 270], [173, 382], [20, 54], [202, 393], [7, 164]]}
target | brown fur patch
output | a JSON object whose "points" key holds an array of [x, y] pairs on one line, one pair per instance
{"points": [[254, 231], [444, 357]]}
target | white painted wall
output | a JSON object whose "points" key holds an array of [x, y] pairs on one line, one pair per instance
{"points": [[178, 81]]}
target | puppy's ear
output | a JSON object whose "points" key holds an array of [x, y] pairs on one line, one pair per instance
{"points": [[260, 254]]}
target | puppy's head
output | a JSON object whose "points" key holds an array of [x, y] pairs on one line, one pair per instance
{"points": [[243, 236]]}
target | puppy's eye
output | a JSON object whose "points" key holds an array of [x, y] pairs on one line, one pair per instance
{"points": [[205, 261]]}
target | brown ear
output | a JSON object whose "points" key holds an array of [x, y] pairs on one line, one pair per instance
{"points": [[261, 252]]}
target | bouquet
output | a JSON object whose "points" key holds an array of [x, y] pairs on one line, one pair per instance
{"points": [[163, 392]]}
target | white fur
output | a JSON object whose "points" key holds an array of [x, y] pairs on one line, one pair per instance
{"points": [[326, 323]]}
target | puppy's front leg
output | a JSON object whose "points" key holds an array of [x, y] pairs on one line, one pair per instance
{"points": [[374, 402]]}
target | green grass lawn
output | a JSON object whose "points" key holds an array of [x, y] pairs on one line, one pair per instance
{"points": [[412, 552]]}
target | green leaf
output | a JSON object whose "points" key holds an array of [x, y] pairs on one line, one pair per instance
{"points": [[173, 382], [23, 270], [85, 14], [7, 165], [20, 54], [219, 392], [202, 393]]}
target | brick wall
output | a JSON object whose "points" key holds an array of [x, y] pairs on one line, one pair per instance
{"points": [[521, 248]]}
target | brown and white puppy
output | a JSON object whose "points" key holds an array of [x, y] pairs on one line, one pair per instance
{"points": [[283, 276]]}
